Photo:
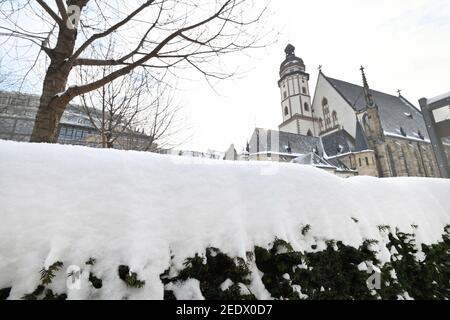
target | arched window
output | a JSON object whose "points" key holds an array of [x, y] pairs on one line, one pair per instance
{"points": [[306, 105], [326, 113], [321, 124], [335, 119], [286, 111], [309, 134]]}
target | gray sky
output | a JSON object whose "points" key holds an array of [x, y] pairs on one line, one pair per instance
{"points": [[404, 44]]}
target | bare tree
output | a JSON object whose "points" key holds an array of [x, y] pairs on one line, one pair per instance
{"points": [[121, 107], [112, 109], [154, 34], [134, 111]]}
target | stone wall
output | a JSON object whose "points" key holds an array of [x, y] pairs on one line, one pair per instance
{"points": [[405, 158]]}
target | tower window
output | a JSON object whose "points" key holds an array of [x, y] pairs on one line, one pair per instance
{"points": [[304, 90], [285, 94], [306, 106], [309, 133], [286, 111]]}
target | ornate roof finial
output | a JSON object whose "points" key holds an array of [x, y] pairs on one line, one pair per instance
{"points": [[290, 50], [367, 94], [320, 67], [399, 91]]}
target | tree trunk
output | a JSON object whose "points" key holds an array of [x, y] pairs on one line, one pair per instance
{"points": [[51, 108]]}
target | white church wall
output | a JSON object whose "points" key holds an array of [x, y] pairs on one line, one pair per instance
{"points": [[346, 114]]}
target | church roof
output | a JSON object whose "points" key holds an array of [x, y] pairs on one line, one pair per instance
{"points": [[361, 142], [398, 116], [286, 143], [338, 142]]}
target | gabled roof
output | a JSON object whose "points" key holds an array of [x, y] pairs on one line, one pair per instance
{"points": [[395, 111], [337, 142]]}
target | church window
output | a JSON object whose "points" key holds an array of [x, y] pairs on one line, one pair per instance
{"points": [[326, 112], [306, 106], [304, 90], [286, 111], [321, 124], [335, 119], [309, 133], [360, 164], [367, 161]]}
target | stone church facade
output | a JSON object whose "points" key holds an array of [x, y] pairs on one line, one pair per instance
{"points": [[352, 127]]}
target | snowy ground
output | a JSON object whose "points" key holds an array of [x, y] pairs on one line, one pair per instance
{"points": [[63, 203]]}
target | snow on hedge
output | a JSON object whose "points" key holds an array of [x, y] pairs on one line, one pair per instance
{"points": [[65, 203]]}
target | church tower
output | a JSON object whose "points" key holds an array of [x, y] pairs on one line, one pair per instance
{"points": [[295, 95]]}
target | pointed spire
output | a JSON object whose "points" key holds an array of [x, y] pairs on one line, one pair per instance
{"points": [[367, 94]]}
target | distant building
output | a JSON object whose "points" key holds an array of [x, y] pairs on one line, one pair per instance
{"points": [[350, 127], [210, 154], [18, 112]]}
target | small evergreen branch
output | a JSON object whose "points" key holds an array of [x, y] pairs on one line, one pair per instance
{"points": [[47, 275]]}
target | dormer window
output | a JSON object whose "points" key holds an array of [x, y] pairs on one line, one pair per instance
{"points": [[420, 134], [402, 131], [288, 148], [408, 114]]}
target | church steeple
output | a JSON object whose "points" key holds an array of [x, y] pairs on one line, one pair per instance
{"points": [[296, 107], [367, 94]]}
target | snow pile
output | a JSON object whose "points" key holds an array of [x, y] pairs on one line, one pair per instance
{"points": [[70, 204]]}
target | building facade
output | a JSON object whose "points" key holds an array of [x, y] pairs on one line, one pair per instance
{"points": [[18, 112]]}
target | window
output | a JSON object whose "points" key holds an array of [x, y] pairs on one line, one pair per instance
{"points": [[306, 106], [326, 113], [304, 90], [309, 133], [286, 111], [367, 161], [285, 94], [335, 119], [321, 124], [360, 164]]}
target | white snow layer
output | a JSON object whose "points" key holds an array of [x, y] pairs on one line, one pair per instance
{"points": [[69, 204]]}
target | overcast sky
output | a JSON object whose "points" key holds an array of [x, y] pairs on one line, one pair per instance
{"points": [[404, 44]]}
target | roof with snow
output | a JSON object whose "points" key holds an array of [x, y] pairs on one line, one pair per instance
{"points": [[396, 113], [283, 142]]}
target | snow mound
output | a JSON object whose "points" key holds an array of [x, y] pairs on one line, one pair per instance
{"points": [[70, 204]]}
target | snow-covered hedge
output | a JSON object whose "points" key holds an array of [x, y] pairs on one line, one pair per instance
{"points": [[82, 223]]}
